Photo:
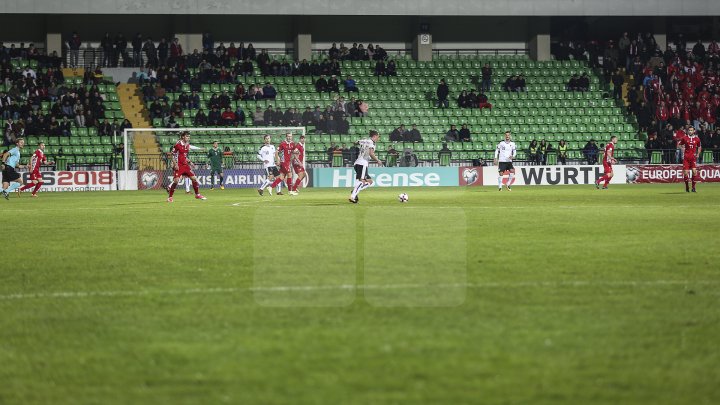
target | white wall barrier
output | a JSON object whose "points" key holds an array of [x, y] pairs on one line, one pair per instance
{"points": [[127, 180]]}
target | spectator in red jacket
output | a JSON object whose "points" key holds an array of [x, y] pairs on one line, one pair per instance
{"points": [[228, 117], [232, 51], [662, 114], [709, 115], [483, 101]]}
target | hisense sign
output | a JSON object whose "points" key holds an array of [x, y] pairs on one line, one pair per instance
{"points": [[388, 177]]}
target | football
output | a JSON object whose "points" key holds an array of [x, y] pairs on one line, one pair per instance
{"points": [[403, 197]]}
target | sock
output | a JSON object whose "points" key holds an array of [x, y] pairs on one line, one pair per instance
{"points": [[500, 177], [265, 184], [297, 184], [694, 180], [356, 190], [276, 182], [27, 186], [511, 179], [607, 181], [212, 180], [173, 185], [364, 186], [601, 179], [195, 187], [12, 187], [222, 179], [278, 188], [37, 187]]}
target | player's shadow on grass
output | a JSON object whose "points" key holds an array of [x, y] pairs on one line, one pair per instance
{"points": [[481, 189], [677, 192], [140, 203]]}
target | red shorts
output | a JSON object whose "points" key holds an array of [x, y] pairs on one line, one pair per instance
{"points": [[184, 171], [285, 169], [36, 175], [689, 164], [607, 167], [298, 169]]}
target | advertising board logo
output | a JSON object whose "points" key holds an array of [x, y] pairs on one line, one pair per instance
{"points": [[633, 174], [390, 176], [669, 173], [552, 175], [77, 180], [470, 176], [149, 179]]}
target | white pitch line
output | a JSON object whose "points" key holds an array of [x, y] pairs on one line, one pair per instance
{"points": [[230, 290], [384, 204], [156, 205], [251, 202]]}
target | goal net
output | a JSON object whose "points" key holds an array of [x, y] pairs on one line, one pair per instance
{"points": [[148, 151]]}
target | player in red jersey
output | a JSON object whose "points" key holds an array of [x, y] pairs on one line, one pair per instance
{"points": [[36, 160], [690, 145], [182, 165], [284, 156], [608, 161], [298, 164]]}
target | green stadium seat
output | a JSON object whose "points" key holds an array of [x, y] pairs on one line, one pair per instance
{"points": [[707, 156]]}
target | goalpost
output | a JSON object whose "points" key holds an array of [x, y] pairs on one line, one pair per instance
{"points": [[147, 153]]}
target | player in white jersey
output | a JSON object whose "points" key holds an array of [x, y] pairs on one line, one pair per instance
{"points": [[267, 156], [504, 155], [362, 178]]}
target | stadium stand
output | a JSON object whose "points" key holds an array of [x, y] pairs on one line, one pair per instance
{"points": [[33, 95], [545, 111]]}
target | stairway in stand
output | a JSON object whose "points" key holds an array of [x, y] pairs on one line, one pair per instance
{"points": [[143, 143]]}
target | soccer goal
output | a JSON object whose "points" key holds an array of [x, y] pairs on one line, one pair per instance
{"points": [[147, 152]]}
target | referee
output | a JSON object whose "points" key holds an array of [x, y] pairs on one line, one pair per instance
{"points": [[11, 159], [504, 155]]}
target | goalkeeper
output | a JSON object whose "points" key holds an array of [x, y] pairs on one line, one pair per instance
{"points": [[215, 156]]}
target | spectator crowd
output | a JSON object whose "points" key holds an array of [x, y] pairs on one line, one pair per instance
{"points": [[668, 89], [40, 102]]}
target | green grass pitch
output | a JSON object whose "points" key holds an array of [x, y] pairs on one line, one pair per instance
{"points": [[542, 295]]}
